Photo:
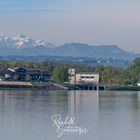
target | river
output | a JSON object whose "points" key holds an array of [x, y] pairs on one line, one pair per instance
{"points": [[105, 115]]}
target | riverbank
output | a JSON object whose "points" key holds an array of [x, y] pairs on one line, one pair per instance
{"points": [[30, 85], [15, 84], [54, 86], [122, 88]]}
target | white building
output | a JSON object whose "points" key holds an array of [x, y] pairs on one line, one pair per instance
{"points": [[83, 77]]}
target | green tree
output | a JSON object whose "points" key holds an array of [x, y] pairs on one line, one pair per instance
{"points": [[134, 71], [110, 75], [60, 74]]}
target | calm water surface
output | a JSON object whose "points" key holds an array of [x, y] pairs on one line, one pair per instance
{"points": [[108, 115]]}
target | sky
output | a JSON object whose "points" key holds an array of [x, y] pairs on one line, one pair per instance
{"points": [[95, 22]]}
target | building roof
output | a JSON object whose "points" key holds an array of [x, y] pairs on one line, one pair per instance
{"points": [[21, 69], [7, 70], [87, 73], [36, 69]]}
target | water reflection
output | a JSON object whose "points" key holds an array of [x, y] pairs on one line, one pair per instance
{"points": [[80, 101], [119, 115], [26, 114]]}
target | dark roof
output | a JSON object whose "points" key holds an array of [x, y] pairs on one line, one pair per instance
{"points": [[12, 70], [19, 69], [36, 69]]}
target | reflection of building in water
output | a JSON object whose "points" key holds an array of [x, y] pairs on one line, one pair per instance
{"points": [[83, 106], [81, 101], [89, 80]]}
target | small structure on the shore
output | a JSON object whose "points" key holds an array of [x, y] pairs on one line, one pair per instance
{"points": [[84, 80]]}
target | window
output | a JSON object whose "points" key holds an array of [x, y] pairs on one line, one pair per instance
{"points": [[92, 77], [82, 77], [87, 77]]}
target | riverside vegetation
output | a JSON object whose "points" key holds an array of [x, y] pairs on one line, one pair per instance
{"points": [[109, 76]]}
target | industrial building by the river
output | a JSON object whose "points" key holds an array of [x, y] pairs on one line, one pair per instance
{"points": [[84, 80]]}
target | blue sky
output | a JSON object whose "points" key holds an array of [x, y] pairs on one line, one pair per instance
{"points": [[88, 21]]}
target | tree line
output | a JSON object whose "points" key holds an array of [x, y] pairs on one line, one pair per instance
{"points": [[59, 71]]}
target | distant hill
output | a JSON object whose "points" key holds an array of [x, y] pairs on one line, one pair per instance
{"points": [[84, 50], [25, 46]]}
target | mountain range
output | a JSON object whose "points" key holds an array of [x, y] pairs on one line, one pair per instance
{"points": [[25, 46]]}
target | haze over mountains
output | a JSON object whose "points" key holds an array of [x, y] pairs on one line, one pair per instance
{"points": [[25, 46]]}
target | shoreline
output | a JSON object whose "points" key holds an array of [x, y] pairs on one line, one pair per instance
{"points": [[122, 88], [29, 85], [11, 85]]}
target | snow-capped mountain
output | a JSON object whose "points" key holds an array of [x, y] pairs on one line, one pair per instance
{"points": [[4, 40], [26, 46], [21, 41]]}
